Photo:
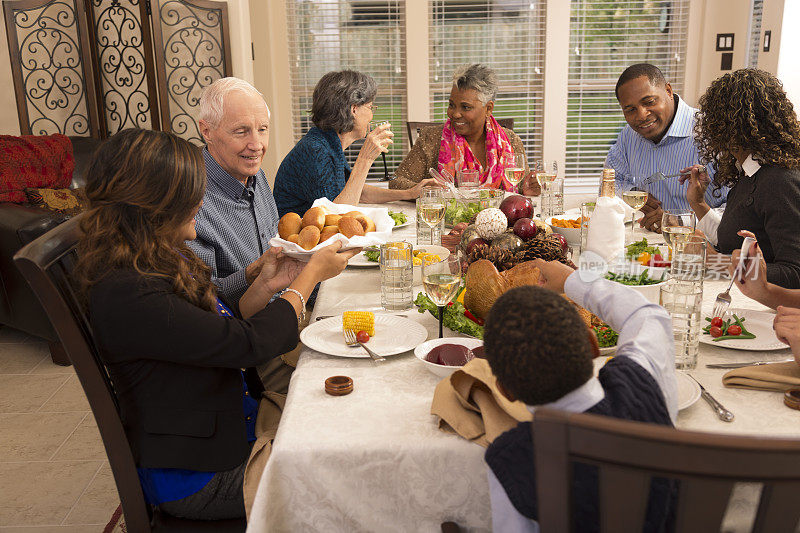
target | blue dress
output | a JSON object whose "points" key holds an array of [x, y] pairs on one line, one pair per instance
{"points": [[314, 168]]}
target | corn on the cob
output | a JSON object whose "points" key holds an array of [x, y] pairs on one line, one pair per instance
{"points": [[358, 321]]}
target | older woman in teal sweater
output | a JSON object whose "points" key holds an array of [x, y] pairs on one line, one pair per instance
{"points": [[316, 167]]}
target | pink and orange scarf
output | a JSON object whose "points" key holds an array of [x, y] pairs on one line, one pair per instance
{"points": [[455, 153]]}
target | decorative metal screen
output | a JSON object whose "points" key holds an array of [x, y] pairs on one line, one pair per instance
{"points": [[193, 50], [125, 64], [48, 45]]}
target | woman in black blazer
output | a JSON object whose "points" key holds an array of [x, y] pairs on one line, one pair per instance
{"points": [[175, 352]]}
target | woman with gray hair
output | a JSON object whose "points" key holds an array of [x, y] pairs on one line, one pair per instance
{"points": [[471, 139], [342, 108]]}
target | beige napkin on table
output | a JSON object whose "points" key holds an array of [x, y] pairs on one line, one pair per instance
{"points": [[774, 377], [469, 404]]}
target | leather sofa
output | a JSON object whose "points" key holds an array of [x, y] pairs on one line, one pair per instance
{"points": [[19, 225]]}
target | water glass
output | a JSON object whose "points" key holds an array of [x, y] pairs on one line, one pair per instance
{"points": [[684, 302], [397, 275], [468, 179], [552, 198], [689, 260], [586, 213]]}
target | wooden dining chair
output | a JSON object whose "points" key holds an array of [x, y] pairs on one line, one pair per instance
{"points": [[629, 454], [414, 128], [46, 263]]}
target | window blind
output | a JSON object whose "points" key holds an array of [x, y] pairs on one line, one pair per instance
{"points": [[507, 35], [363, 35], [605, 38], [755, 33]]}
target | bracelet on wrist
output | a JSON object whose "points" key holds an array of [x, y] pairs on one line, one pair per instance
{"points": [[302, 315]]}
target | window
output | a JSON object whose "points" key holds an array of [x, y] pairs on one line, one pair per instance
{"points": [[755, 33], [507, 35], [606, 37], [363, 35]]}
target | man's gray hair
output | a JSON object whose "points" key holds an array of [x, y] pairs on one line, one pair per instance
{"points": [[334, 96], [478, 77], [213, 98]]}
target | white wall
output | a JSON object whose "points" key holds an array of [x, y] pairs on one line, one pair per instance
{"points": [[788, 70]]}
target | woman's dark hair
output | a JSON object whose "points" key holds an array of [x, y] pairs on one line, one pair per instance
{"points": [[142, 187], [537, 345], [334, 96], [746, 110]]}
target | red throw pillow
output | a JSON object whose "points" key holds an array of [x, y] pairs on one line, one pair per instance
{"points": [[34, 161]]}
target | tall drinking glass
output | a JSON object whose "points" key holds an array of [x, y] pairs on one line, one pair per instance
{"points": [[684, 302], [442, 281], [432, 207], [514, 168], [397, 275], [587, 208], [635, 198], [468, 179]]}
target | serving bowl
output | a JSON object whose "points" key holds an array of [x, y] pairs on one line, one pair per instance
{"points": [[651, 292], [443, 371], [573, 235]]}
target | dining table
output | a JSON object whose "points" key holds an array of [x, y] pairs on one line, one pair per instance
{"points": [[376, 460]]}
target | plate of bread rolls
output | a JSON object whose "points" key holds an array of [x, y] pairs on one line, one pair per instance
{"points": [[300, 235]]}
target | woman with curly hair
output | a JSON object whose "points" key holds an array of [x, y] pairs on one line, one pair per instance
{"points": [[747, 127], [173, 349]]}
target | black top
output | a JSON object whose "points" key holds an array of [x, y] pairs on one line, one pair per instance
{"points": [[176, 369], [631, 393], [768, 204]]}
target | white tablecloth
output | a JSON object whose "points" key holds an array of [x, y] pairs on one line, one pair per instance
{"points": [[374, 460]]}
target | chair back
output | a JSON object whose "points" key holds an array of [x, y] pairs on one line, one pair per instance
{"points": [[414, 128], [47, 263], [629, 454]]}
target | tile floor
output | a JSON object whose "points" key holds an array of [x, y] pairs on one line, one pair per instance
{"points": [[54, 475]]}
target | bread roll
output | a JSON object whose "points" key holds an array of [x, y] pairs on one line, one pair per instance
{"points": [[370, 225], [293, 238], [328, 232], [349, 227], [308, 238], [289, 224], [332, 220], [314, 217], [358, 215]]}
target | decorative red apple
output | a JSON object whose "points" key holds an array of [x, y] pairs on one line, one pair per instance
{"points": [[516, 207], [525, 229], [562, 240]]}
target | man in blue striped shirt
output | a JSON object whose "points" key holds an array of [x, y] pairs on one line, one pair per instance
{"points": [[658, 138]]}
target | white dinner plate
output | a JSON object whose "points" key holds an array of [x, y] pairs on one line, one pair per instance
{"points": [[688, 390], [360, 260], [759, 323], [393, 335], [409, 220]]}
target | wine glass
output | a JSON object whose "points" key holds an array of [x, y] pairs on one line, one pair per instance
{"points": [[546, 171], [442, 281], [514, 168], [636, 198], [677, 225], [432, 207]]}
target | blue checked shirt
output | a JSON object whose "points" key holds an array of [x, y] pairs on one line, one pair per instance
{"points": [[234, 226], [634, 158]]}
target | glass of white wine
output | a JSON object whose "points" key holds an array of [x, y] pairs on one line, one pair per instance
{"points": [[546, 171], [442, 281], [514, 168], [677, 225], [636, 198], [432, 207]]}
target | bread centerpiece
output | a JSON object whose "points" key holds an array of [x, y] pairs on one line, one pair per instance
{"points": [[300, 235]]}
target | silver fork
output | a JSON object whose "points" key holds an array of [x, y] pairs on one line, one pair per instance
{"points": [[723, 301], [659, 176], [722, 413], [351, 341]]}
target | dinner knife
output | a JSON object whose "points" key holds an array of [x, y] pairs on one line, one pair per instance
{"points": [[751, 363]]}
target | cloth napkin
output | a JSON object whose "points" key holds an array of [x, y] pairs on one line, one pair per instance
{"points": [[469, 404], [774, 377], [606, 235]]}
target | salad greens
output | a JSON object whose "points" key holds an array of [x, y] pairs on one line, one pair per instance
{"points": [[372, 255], [399, 218], [632, 279], [635, 249], [460, 212], [453, 318], [606, 336]]}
